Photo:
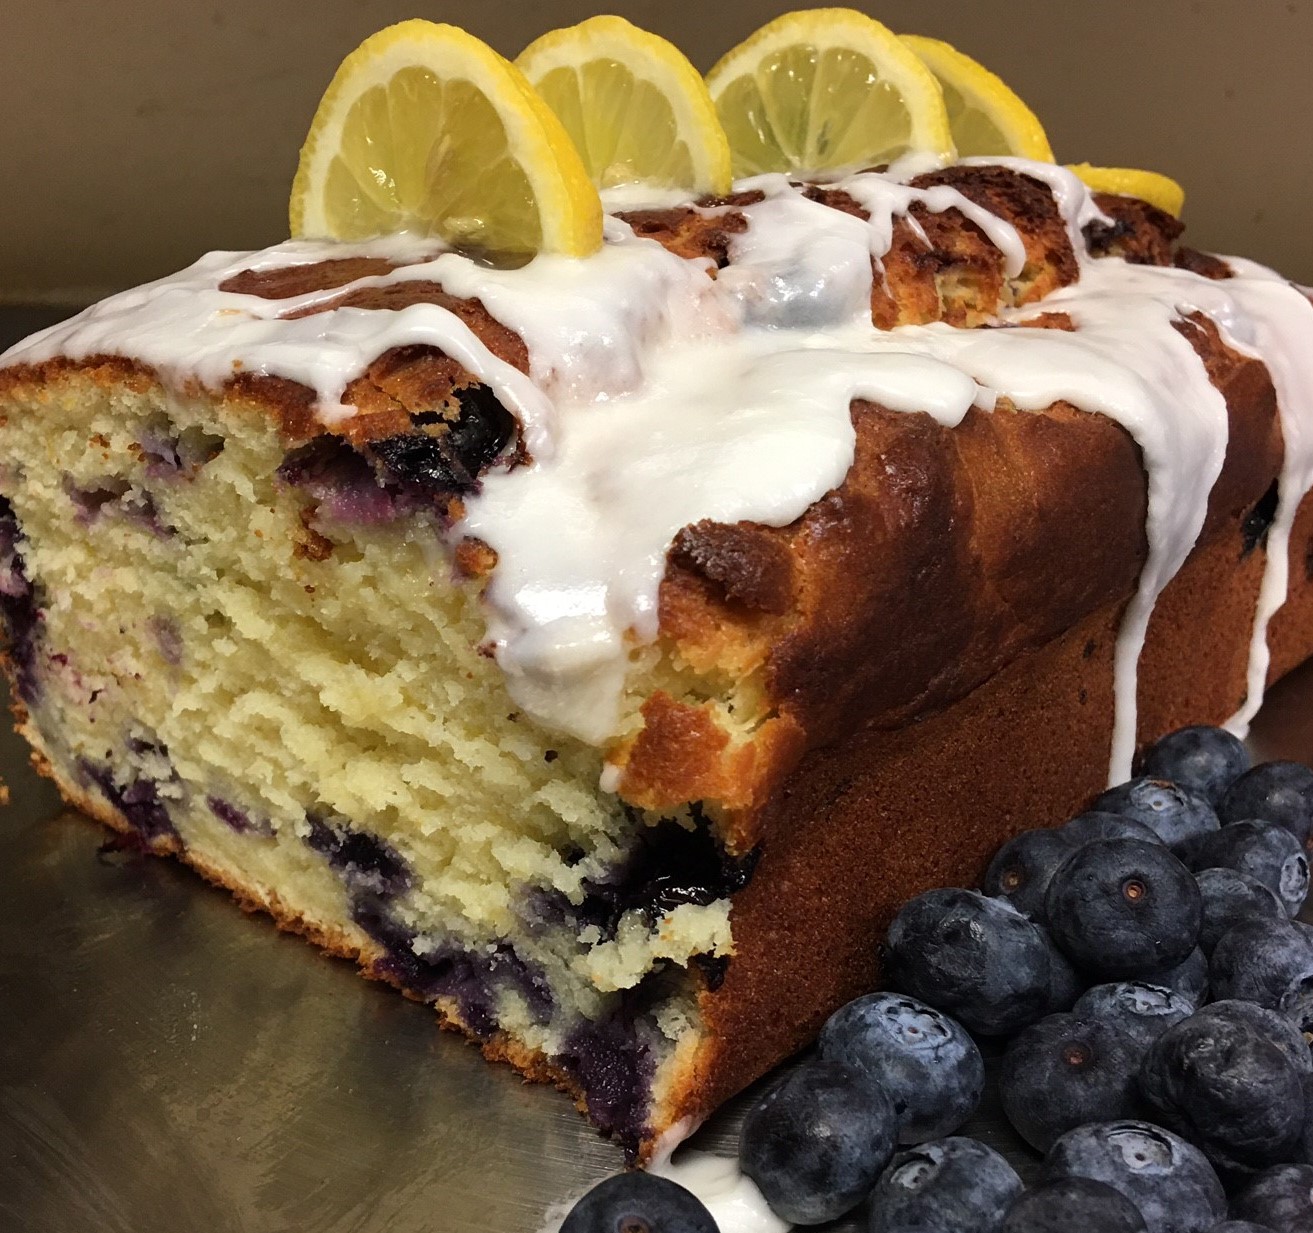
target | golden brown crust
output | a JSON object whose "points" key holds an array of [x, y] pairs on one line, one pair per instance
{"points": [[993, 526], [689, 233], [750, 566], [503, 343], [287, 281], [1138, 232], [862, 825], [1203, 264], [682, 754]]}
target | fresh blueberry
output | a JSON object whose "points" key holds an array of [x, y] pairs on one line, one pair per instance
{"points": [[949, 1186], [1280, 792], [1189, 978], [1122, 908], [1065, 983], [1300, 1014], [1304, 1154], [816, 1142], [1240, 1226], [1277, 1028], [641, 1203], [1065, 1071], [1225, 1086], [1168, 1179], [1265, 851], [974, 958], [1022, 867], [1230, 897], [1280, 1198], [1175, 814], [1096, 824], [1268, 962], [1142, 1012], [1072, 1203], [924, 1061], [1205, 760]]}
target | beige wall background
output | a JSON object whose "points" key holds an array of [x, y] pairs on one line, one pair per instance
{"points": [[135, 135]]}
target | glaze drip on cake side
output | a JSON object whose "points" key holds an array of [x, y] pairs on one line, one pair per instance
{"points": [[658, 397], [1280, 316]]}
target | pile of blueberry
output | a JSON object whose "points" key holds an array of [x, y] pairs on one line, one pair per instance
{"points": [[1140, 970]]}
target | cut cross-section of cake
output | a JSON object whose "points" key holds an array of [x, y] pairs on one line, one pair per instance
{"points": [[600, 650]]}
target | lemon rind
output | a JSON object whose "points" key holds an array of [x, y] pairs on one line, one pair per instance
{"points": [[1152, 186], [989, 92]]}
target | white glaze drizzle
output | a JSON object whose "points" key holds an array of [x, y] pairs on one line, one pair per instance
{"points": [[1283, 322], [658, 397], [732, 1198], [1075, 202], [769, 438]]}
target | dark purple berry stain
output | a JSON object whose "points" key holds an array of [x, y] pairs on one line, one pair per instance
{"points": [[429, 976], [169, 453], [714, 968], [89, 502], [398, 475], [470, 979], [669, 866], [374, 874], [139, 799], [367, 864], [19, 608], [238, 819], [115, 493], [342, 484], [168, 638], [612, 1061], [450, 461], [610, 1058]]}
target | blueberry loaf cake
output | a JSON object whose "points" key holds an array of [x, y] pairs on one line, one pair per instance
{"points": [[599, 650]]}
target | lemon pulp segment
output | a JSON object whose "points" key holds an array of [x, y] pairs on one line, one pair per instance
{"points": [[637, 111], [826, 90], [426, 129]]}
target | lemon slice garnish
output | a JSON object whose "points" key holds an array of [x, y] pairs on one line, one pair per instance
{"points": [[426, 129], [827, 90], [1151, 186], [985, 115], [636, 109]]}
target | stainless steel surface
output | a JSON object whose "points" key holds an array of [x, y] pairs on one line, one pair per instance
{"points": [[169, 1065]]}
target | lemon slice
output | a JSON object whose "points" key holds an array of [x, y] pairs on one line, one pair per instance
{"points": [[1151, 186], [426, 129], [827, 90], [986, 116], [636, 109]]}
